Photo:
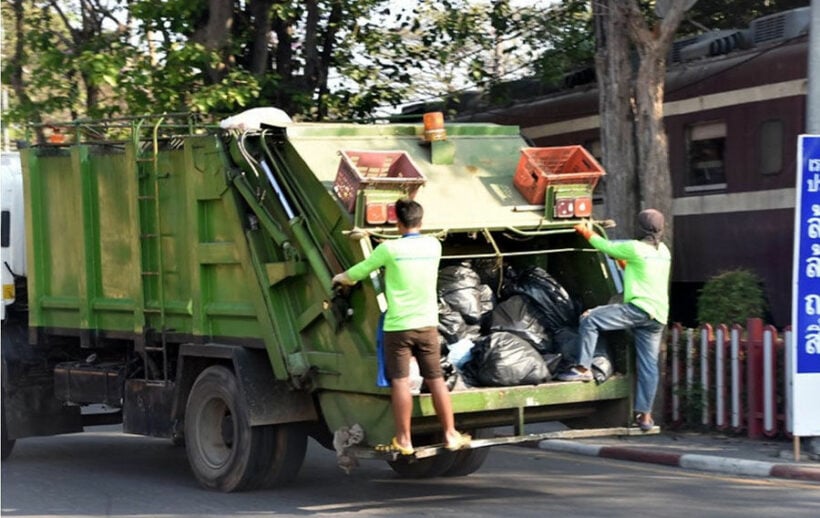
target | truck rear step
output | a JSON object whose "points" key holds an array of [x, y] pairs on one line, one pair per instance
{"points": [[438, 449]]}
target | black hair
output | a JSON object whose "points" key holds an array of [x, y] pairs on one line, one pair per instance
{"points": [[409, 212]]}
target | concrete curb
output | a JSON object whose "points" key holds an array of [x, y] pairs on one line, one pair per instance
{"points": [[728, 465]]}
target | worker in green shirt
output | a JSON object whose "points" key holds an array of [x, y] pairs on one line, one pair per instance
{"points": [[411, 322], [644, 310]]}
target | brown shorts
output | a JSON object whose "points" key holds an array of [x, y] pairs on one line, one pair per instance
{"points": [[422, 343]]}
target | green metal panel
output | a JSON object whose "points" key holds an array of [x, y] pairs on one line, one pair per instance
{"points": [[111, 239], [487, 405], [117, 234], [120, 242], [479, 179], [56, 249]]}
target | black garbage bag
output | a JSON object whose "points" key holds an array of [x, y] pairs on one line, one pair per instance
{"points": [[488, 270], [553, 361], [503, 359], [517, 315], [486, 299], [458, 286], [552, 302], [452, 327], [451, 375], [450, 323], [601, 368], [565, 341]]}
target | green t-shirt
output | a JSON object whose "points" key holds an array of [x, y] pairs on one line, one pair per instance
{"points": [[646, 276], [410, 275]]}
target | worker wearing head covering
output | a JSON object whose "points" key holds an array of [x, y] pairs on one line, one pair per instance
{"points": [[644, 310]]}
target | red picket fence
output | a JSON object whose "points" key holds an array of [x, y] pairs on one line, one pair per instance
{"points": [[730, 379]]}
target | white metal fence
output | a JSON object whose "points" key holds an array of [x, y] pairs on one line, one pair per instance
{"points": [[729, 378]]}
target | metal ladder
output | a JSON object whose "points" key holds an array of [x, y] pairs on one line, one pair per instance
{"points": [[150, 238]]}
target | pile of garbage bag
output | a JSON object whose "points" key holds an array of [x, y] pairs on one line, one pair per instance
{"points": [[526, 337]]}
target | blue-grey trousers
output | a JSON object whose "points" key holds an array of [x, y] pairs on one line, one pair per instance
{"points": [[648, 333]]}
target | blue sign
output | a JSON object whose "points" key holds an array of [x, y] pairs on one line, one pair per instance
{"points": [[807, 257]]}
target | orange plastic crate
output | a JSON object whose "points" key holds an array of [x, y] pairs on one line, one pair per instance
{"points": [[382, 170], [542, 167]]}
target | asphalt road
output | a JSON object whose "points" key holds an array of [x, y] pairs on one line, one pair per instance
{"points": [[106, 473]]}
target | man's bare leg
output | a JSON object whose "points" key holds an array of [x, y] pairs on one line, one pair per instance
{"points": [[402, 401], [444, 409]]}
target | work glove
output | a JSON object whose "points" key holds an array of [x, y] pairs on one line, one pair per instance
{"points": [[585, 229], [342, 279]]}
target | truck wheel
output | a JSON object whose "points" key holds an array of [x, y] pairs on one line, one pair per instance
{"points": [[287, 453], [224, 451], [7, 444], [469, 461], [428, 467]]}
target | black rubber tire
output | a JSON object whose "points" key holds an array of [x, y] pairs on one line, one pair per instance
{"points": [[469, 461], [7, 444], [13, 338], [428, 467], [224, 451], [286, 454]]}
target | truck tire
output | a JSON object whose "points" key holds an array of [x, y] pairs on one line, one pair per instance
{"points": [[287, 453], [428, 467], [224, 451], [7, 444], [469, 461]]}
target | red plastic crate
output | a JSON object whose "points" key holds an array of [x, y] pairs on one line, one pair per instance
{"points": [[542, 167], [382, 170]]}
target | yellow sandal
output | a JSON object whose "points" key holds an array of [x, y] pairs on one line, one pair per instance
{"points": [[394, 447], [463, 441]]}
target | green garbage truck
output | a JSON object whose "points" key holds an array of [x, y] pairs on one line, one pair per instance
{"points": [[177, 280]]}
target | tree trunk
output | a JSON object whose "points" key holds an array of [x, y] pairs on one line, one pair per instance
{"points": [[613, 70], [311, 52], [260, 12], [17, 61], [216, 33], [283, 55], [653, 152], [326, 57]]}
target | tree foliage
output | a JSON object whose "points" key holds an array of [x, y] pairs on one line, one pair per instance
{"points": [[315, 59], [731, 297]]}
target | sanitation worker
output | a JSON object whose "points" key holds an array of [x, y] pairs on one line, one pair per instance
{"points": [[410, 323], [644, 310]]}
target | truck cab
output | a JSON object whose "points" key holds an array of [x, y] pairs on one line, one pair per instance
{"points": [[12, 241]]}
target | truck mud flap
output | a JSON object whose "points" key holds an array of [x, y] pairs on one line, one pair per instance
{"points": [[438, 449], [147, 408]]}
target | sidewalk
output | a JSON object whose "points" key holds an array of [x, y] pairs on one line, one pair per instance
{"points": [[729, 454]]}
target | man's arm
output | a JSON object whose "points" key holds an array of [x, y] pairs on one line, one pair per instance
{"points": [[361, 269], [342, 279], [623, 250]]}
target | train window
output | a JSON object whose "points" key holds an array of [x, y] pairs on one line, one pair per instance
{"points": [[706, 145], [770, 144]]}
